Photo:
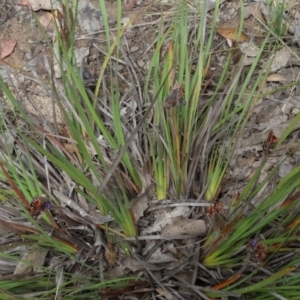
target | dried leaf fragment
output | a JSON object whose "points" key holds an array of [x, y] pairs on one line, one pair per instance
{"points": [[134, 265], [110, 254], [276, 78], [46, 21], [165, 294], [218, 222], [166, 217], [176, 97], [23, 3], [8, 47], [130, 5], [249, 49], [43, 4], [71, 148], [216, 216], [270, 143], [183, 225], [232, 34], [139, 205], [32, 260], [281, 59]]}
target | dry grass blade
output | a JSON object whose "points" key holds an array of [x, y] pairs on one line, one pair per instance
{"points": [[13, 185]]}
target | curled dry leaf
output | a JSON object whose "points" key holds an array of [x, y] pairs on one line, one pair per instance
{"points": [[8, 47], [232, 34]]}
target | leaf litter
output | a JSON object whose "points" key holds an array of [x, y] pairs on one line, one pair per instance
{"points": [[7, 48]]}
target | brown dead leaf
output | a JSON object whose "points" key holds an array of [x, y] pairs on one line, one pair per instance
{"points": [[232, 34], [8, 47], [276, 78], [110, 254]]}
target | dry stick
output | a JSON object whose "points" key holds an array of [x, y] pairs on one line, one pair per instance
{"points": [[135, 131]]}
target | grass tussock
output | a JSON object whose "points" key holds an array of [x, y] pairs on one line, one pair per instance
{"points": [[168, 131]]}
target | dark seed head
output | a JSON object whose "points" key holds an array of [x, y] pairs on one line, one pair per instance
{"points": [[47, 205]]}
